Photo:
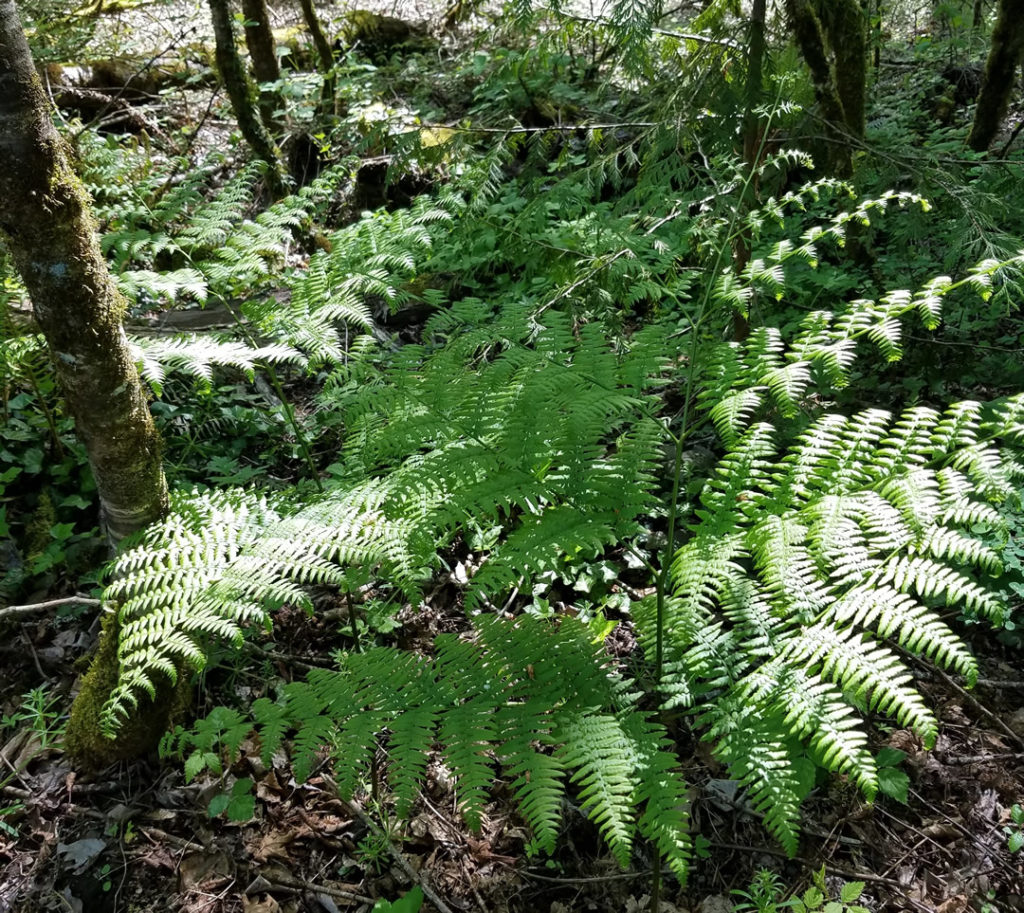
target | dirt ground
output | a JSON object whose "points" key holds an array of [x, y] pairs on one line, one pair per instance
{"points": [[137, 837]]}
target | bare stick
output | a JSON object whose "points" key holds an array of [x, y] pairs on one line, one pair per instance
{"points": [[399, 857], [16, 610], [300, 884]]}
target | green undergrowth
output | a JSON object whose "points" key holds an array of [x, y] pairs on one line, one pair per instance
{"points": [[556, 383]]}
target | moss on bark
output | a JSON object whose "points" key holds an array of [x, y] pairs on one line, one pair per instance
{"points": [[1005, 53], [846, 28], [47, 224], [242, 94], [324, 52], [259, 39], [84, 741], [810, 38]]}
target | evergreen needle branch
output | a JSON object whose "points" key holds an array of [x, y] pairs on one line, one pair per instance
{"points": [[604, 264], [667, 33], [553, 128]]}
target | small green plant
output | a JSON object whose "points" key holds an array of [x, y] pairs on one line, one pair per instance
{"points": [[373, 851], [763, 896], [407, 903], [212, 745], [1015, 831], [375, 847], [40, 713], [766, 891], [239, 804], [892, 781]]}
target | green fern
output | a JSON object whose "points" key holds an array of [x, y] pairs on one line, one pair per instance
{"points": [[545, 708], [803, 566], [819, 550]]}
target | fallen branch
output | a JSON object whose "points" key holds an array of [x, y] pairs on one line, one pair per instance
{"points": [[399, 857], [299, 884], [16, 610]]}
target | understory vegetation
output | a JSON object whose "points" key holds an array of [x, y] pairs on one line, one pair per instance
{"points": [[685, 452]]}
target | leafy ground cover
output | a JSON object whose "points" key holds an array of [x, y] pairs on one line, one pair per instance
{"points": [[517, 377]]}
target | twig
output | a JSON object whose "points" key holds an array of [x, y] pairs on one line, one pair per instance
{"points": [[1009, 142], [159, 836], [399, 857], [978, 758], [15, 610], [995, 683], [683, 36], [585, 879], [282, 881], [984, 711], [551, 128]]}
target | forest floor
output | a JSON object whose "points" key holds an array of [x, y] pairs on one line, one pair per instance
{"points": [[138, 837]]}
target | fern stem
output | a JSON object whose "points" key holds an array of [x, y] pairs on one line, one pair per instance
{"points": [[51, 422], [352, 621], [289, 411], [665, 564]]}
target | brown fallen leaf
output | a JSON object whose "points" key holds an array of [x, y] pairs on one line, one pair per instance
{"points": [[276, 843], [266, 904], [941, 829], [158, 857], [956, 904], [269, 789], [199, 868]]}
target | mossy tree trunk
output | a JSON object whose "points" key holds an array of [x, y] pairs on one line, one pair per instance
{"points": [[47, 223], [242, 94], [324, 52], [1005, 53], [816, 42], [846, 30], [259, 39], [753, 135]]}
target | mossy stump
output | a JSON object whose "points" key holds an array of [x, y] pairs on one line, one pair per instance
{"points": [[378, 36], [140, 734]]}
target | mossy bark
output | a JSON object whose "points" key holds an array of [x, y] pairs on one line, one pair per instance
{"points": [[1005, 53], [846, 30], [324, 52], [47, 224], [259, 39], [242, 94], [140, 733], [816, 50], [811, 40]]}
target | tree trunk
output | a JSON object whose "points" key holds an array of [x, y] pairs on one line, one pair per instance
{"points": [[1004, 55], [811, 40], [259, 39], [323, 51], [752, 148], [241, 93], [47, 223], [846, 31]]}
